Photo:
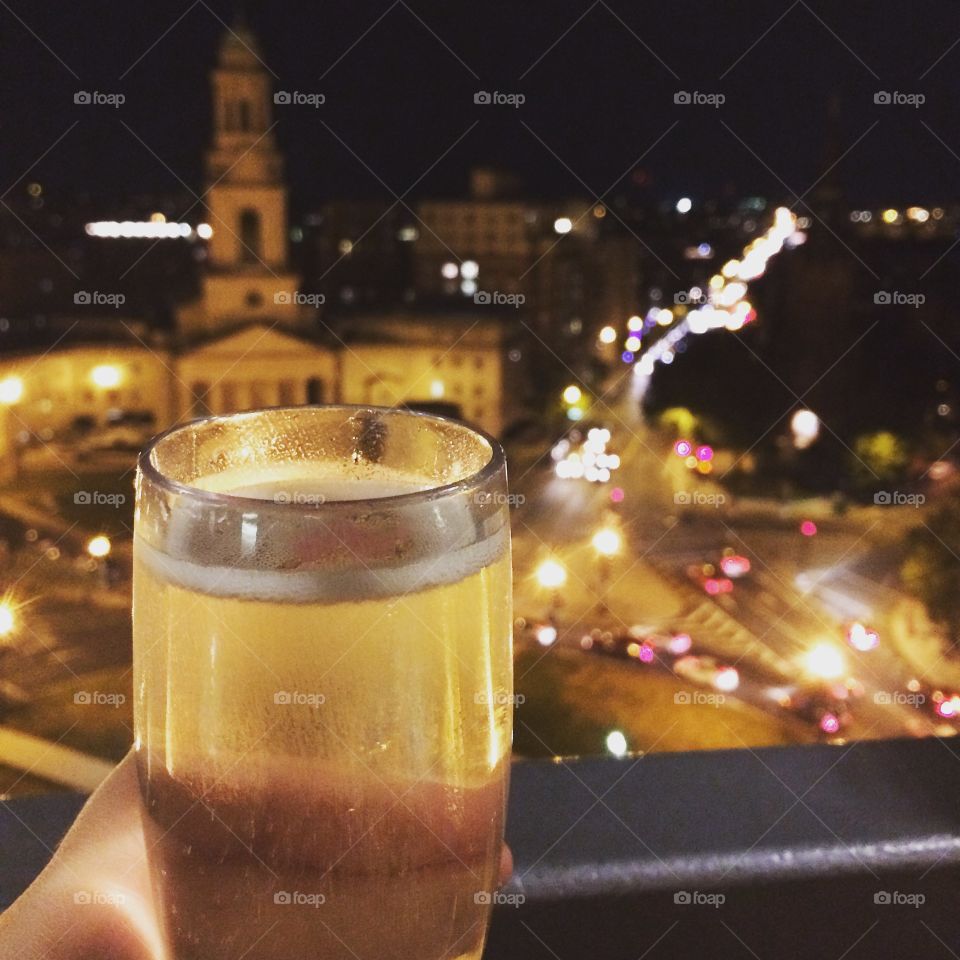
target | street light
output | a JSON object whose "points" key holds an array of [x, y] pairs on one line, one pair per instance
{"points": [[99, 546], [606, 542], [11, 390], [552, 576], [825, 662], [8, 619]]}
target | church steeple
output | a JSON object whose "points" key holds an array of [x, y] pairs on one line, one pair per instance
{"points": [[248, 278]]}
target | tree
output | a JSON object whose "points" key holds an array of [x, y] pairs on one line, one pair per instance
{"points": [[931, 569], [878, 458]]}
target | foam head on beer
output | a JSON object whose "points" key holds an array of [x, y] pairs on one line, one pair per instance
{"points": [[322, 675]]}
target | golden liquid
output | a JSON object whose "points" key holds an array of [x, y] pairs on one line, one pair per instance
{"points": [[324, 779]]}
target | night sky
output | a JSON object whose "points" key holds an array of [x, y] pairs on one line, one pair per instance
{"points": [[599, 83]]}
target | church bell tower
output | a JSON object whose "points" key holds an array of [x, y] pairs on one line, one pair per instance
{"points": [[248, 278]]}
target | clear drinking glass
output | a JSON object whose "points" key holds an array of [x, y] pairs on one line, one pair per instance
{"points": [[323, 679]]}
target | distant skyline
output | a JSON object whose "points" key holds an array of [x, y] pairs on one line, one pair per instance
{"points": [[399, 78]]}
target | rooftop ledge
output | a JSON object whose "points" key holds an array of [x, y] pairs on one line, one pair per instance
{"points": [[797, 851]]}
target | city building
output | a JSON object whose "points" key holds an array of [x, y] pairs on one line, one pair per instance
{"points": [[251, 337]]}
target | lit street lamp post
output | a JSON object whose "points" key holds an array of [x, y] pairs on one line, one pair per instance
{"points": [[606, 542], [552, 576]]}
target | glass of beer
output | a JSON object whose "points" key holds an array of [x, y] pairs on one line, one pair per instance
{"points": [[323, 683]]}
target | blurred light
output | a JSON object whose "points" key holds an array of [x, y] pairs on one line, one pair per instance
{"points": [[682, 448], [606, 542], [691, 462], [727, 680], [551, 574], [469, 270], [562, 225], [646, 653], [546, 635], [680, 643], [436, 389], [599, 211], [805, 425], [704, 467], [730, 268], [626, 356], [574, 413], [890, 216], [408, 234], [468, 287], [105, 375], [705, 250], [616, 743], [345, 247], [919, 214], [735, 566], [99, 546], [684, 205], [635, 323], [608, 335], [156, 228], [829, 723], [862, 639], [616, 494], [825, 661], [450, 270], [947, 709], [808, 528], [8, 619], [632, 343], [572, 394], [11, 389], [704, 453], [664, 317], [716, 282], [204, 231]]}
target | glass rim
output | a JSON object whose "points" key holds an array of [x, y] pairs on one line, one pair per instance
{"points": [[147, 470]]}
